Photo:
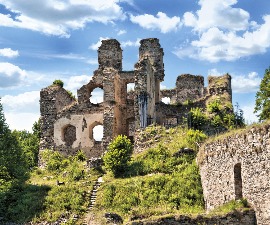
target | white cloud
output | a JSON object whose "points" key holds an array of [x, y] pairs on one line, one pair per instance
{"points": [[95, 46], [76, 82], [224, 33], [22, 110], [241, 83], [97, 96], [218, 13], [214, 72], [57, 17], [25, 102], [120, 32], [131, 43], [215, 45], [8, 52], [249, 115], [161, 22], [246, 83], [10, 75], [21, 121]]}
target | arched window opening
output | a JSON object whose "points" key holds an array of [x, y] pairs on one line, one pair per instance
{"points": [[166, 100], [130, 90], [97, 96], [98, 133], [69, 134], [238, 181]]}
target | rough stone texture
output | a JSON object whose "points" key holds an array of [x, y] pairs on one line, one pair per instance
{"points": [[234, 218], [67, 125], [238, 166]]}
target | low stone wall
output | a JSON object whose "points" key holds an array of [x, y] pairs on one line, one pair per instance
{"points": [[234, 218], [237, 166]]}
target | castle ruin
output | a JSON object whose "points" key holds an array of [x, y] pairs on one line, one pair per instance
{"points": [[67, 124]]}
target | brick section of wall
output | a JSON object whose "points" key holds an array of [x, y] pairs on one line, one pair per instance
{"points": [[238, 166]]}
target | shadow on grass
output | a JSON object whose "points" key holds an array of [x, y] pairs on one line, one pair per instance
{"points": [[22, 202]]}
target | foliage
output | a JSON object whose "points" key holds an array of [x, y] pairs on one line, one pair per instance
{"points": [[223, 115], [197, 118], [55, 161], [118, 154], [157, 181], [11, 155], [262, 105], [29, 143], [239, 116], [231, 206], [195, 137], [41, 199], [214, 106], [71, 94], [59, 83]]}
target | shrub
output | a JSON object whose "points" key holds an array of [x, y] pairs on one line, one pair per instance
{"points": [[214, 106], [118, 155], [194, 137], [55, 162], [59, 83], [197, 118]]}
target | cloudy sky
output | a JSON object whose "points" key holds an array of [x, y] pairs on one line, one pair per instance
{"points": [[41, 41]]}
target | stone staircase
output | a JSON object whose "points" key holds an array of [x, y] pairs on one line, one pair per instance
{"points": [[93, 197]]}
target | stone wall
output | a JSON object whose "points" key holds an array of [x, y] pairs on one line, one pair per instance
{"points": [[237, 166], [234, 218], [67, 125]]}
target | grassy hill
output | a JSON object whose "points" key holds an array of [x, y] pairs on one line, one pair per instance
{"points": [[163, 179]]}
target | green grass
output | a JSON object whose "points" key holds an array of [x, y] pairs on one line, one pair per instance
{"points": [[156, 182], [41, 199]]}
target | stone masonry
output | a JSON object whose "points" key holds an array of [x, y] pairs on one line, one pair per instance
{"points": [[67, 124], [237, 166]]}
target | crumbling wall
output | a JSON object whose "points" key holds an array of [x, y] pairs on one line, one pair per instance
{"points": [[189, 87], [67, 124], [237, 166], [149, 72], [52, 100]]}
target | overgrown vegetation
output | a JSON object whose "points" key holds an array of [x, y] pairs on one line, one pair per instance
{"points": [[41, 198], [164, 179], [217, 115], [262, 105], [161, 180], [58, 82], [118, 154]]}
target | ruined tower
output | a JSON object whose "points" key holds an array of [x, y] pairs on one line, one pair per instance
{"points": [[149, 72]]}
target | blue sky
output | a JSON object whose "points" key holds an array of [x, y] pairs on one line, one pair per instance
{"points": [[41, 41]]}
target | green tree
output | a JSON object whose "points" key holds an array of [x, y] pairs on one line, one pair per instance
{"points": [[118, 154], [262, 105], [12, 165], [29, 143]]}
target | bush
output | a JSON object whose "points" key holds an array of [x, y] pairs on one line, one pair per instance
{"points": [[55, 162], [59, 83], [214, 106], [194, 137], [197, 118], [118, 155]]}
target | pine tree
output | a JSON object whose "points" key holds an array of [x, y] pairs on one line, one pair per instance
{"points": [[262, 105]]}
